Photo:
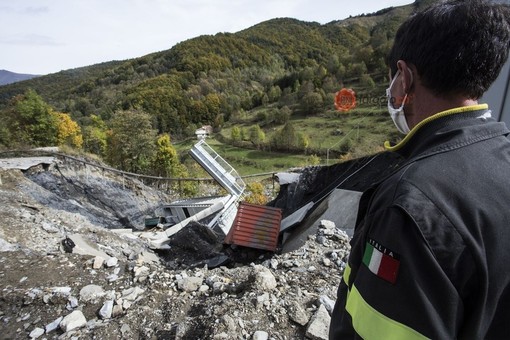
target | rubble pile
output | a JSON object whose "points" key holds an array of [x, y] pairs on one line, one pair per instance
{"points": [[111, 286]]}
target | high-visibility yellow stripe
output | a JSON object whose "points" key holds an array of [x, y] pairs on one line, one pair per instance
{"points": [[387, 145], [347, 274], [371, 324]]}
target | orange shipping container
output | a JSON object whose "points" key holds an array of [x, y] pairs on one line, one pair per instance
{"points": [[255, 226]]}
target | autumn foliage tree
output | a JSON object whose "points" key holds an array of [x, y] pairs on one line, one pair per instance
{"points": [[68, 131], [256, 194]]}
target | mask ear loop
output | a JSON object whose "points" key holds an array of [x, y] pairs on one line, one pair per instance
{"points": [[411, 83], [407, 92]]}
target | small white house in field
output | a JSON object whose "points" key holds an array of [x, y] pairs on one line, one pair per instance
{"points": [[204, 131]]}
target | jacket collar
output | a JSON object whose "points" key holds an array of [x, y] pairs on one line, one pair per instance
{"points": [[449, 129]]}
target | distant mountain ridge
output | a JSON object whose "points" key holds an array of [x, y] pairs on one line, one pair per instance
{"points": [[212, 79], [8, 77]]}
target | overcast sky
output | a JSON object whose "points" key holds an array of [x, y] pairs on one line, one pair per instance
{"points": [[47, 36]]}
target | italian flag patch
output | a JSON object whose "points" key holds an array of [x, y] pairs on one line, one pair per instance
{"points": [[381, 261]]}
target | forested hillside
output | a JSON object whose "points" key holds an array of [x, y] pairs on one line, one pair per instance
{"points": [[268, 75]]}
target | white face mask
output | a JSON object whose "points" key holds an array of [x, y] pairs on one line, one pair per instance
{"points": [[397, 115]]}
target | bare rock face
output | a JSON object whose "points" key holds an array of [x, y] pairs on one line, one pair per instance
{"points": [[78, 188]]}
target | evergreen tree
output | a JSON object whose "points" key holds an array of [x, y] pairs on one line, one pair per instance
{"points": [[131, 144], [235, 135], [257, 136], [95, 136], [166, 160]]}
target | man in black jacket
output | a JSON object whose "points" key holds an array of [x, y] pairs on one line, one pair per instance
{"points": [[430, 254]]}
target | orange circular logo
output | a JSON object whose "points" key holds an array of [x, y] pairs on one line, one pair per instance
{"points": [[345, 99]]}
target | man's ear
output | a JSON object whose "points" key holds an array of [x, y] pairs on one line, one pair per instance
{"points": [[407, 75]]}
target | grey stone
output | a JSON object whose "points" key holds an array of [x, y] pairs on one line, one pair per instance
{"points": [[218, 287], [83, 247], [117, 310], [328, 232], [91, 293], [261, 299], [72, 302], [112, 262], [190, 284], [112, 278], [98, 262], [327, 224], [125, 329], [320, 239], [141, 273], [106, 311], [53, 325], [6, 246], [334, 256], [297, 313], [264, 279], [229, 323], [65, 291], [273, 264], [318, 328], [148, 257], [327, 302], [49, 228], [91, 324], [72, 321], [131, 294], [36, 332], [260, 335]]}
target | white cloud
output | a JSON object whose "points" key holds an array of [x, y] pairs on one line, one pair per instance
{"points": [[32, 10], [30, 40]]}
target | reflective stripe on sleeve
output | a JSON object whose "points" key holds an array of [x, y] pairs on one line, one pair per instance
{"points": [[347, 274], [371, 324]]}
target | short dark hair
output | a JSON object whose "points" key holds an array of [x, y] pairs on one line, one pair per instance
{"points": [[458, 47]]}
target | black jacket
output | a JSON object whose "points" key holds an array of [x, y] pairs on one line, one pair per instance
{"points": [[430, 255]]}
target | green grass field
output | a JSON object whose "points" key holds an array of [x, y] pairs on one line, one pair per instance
{"points": [[333, 137]]}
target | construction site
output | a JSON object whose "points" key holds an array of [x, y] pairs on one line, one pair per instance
{"points": [[91, 253]]}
